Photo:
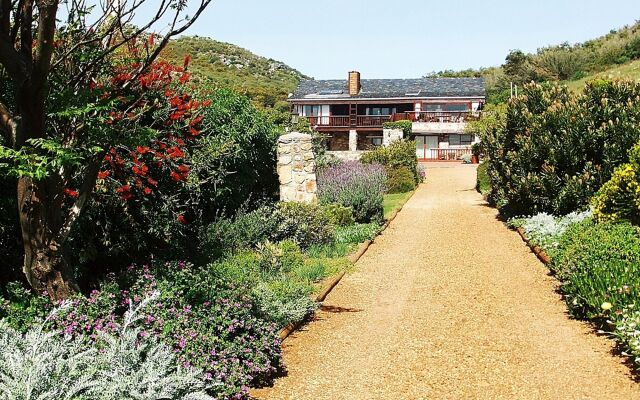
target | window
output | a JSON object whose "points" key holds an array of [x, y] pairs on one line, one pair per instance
{"points": [[376, 141], [381, 110], [456, 140], [456, 107], [453, 107], [311, 111]]}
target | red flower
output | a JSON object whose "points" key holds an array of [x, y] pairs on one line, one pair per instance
{"points": [[187, 60], [142, 171], [183, 168], [152, 182], [184, 78], [182, 219], [71, 193], [176, 176], [147, 191], [103, 174], [125, 192]]}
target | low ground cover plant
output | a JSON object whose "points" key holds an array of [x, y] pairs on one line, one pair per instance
{"points": [[599, 267], [48, 364]]}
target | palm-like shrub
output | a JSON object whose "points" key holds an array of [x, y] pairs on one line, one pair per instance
{"points": [[46, 365]]}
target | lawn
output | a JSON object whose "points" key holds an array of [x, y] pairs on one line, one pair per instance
{"points": [[629, 70], [393, 202]]}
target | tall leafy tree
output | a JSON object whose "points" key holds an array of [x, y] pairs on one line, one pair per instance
{"points": [[74, 81]]}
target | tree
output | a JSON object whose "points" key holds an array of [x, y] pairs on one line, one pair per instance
{"points": [[56, 131], [517, 67]]}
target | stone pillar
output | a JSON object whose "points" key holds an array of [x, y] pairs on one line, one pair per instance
{"points": [[296, 168], [353, 140], [391, 135]]}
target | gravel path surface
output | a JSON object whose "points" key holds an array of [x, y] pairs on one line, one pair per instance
{"points": [[449, 304]]}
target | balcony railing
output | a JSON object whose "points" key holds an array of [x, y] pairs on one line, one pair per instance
{"points": [[377, 121], [442, 154], [437, 116], [334, 121], [343, 121]]}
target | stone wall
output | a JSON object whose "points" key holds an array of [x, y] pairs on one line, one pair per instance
{"points": [[347, 155], [297, 168]]}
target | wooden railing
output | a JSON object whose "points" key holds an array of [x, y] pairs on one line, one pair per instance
{"points": [[343, 121], [443, 154], [372, 120], [339, 121], [437, 116]]}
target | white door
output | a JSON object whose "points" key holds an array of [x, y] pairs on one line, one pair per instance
{"points": [[420, 149], [431, 144], [426, 147]]}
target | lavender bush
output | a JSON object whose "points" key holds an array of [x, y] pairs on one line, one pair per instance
{"points": [[358, 186]]}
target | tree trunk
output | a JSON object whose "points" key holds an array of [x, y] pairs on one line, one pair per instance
{"points": [[40, 214]]}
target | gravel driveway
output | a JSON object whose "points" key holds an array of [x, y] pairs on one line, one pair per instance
{"points": [[449, 304]]}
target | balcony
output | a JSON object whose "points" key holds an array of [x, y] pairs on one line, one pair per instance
{"points": [[438, 116], [345, 121], [377, 121]]}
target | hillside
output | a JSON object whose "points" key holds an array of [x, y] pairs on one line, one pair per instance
{"points": [[612, 53], [266, 81], [629, 70]]}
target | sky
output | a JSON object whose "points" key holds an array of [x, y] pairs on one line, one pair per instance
{"points": [[405, 39]]}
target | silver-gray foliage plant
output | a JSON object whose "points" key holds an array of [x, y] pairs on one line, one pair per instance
{"points": [[544, 229], [46, 365]]}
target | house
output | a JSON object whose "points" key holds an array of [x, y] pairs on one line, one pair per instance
{"points": [[351, 113]]}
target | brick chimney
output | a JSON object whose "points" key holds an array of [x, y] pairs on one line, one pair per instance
{"points": [[354, 83]]}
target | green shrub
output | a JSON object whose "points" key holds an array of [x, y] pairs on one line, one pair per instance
{"points": [[400, 180], [598, 264], [245, 231], [357, 233], [556, 149], [279, 259], [305, 224], [619, 198], [332, 250], [401, 153], [241, 268], [283, 301], [338, 215], [483, 182], [312, 270]]}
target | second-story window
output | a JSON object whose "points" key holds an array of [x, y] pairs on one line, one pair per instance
{"points": [[381, 110], [311, 111]]}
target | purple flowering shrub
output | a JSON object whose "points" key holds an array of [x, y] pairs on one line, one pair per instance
{"points": [[355, 185], [209, 323]]}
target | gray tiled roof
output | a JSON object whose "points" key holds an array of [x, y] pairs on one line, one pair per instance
{"points": [[391, 88]]}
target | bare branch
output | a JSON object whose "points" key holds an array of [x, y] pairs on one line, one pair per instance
{"points": [[89, 182]]}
